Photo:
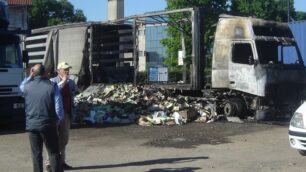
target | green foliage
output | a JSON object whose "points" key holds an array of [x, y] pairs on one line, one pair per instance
{"points": [[173, 43], [142, 77], [52, 12], [270, 10], [79, 16], [175, 75], [300, 16]]}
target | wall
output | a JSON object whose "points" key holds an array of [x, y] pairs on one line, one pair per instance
{"points": [[298, 29], [18, 18]]}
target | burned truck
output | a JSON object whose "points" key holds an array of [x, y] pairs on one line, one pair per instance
{"points": [[252, 72], [250, 60], [256, 69]]}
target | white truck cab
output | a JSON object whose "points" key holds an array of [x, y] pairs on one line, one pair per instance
{"points": [[11, 73], [297, 130]]}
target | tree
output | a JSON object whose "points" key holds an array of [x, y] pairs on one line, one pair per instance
{"points": [[79, 16], [270, 10], [52, 12], [276, 10], [300, 16], [173, 43]]}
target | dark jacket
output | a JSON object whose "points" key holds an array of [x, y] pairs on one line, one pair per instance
{"points": [[40, 104], [72, 89]]}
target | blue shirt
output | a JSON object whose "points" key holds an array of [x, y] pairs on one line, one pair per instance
{"points": [[57, 98]]}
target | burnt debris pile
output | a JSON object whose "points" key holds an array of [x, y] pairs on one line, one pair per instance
{"points": [[146, 105]]}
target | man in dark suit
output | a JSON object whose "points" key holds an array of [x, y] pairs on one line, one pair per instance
{"points": [[44, 110]]}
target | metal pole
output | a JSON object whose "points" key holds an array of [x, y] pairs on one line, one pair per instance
{"points": [[198, 53], [184, 52], [90, 30], [135, 57]]}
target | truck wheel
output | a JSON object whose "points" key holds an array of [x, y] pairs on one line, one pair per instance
{"points": [[235, 107], [229, 109], [302, 152]]}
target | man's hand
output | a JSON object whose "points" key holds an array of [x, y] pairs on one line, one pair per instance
{"points": [[65, 78], [32, 73]]}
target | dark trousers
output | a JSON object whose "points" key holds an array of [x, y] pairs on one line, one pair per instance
{"points": [[50, 138]]}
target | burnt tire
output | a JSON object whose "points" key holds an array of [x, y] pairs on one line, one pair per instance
{"points": [[235, 107], [302, 152]]}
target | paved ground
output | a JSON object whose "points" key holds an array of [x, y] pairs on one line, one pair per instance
{"points": [[215, 147]]}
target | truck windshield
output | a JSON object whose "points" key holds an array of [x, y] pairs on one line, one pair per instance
{"points": [[9, 56], [274, 52], [3, 10]]}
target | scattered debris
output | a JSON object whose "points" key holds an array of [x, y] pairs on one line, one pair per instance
{"points": [[125, 103], [234, 119]]}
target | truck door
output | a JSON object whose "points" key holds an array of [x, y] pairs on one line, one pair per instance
{"points": [[242, 68]]}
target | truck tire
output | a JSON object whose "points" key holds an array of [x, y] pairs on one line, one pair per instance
{"points": [[302, 152], [235, 107]]}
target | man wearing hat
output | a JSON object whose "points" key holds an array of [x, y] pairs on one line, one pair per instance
{"points": [[67, 89]]}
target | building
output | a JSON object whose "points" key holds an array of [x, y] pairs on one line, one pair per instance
{"points": [[151, 52], [155, 51], [298, 29], [18, 14]]}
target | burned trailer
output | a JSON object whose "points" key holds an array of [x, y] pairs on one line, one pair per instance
{"points": [[97, 52]]}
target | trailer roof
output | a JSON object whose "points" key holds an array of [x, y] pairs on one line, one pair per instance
{"points": [[71, 25]]}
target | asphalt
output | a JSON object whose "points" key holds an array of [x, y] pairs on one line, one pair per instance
{"points": [[215, 147]]}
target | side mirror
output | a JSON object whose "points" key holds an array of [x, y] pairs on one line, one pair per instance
{"points": [[25, 56]]}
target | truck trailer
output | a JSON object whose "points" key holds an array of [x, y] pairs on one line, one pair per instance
{"points": [[97, 52]]}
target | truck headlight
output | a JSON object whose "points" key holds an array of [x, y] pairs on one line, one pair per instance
{"points": [[18, 105], [297, 120]]}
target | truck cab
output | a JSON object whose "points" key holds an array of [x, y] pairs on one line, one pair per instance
{"points": [[11, 73], [4, 21], [259, 62]]}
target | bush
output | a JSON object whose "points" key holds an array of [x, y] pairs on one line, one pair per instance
{"points": [[142, 77]]}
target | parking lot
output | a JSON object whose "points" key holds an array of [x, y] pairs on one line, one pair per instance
{"points": [[194, 147]]}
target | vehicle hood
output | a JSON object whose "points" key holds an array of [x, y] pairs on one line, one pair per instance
{"points": [[302, 109]]}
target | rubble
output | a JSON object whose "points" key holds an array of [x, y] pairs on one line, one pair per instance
{"points": [[234, 119], [146, 105]]}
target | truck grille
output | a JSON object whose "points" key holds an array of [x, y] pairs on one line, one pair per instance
{"points": [[8, 89]]}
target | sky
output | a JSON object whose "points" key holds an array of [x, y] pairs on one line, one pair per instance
{"points": [[96, 10]]}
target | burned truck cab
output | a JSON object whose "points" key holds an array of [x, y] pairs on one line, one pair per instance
{"points": [[258, 62]]}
